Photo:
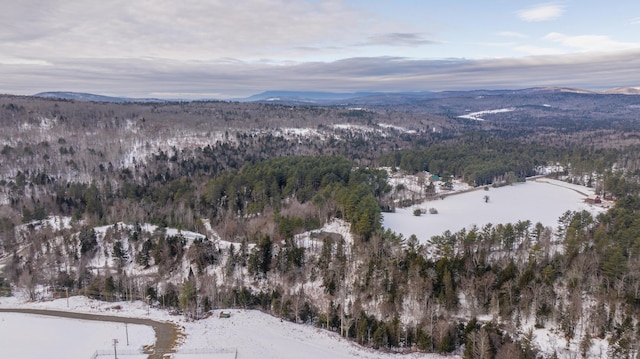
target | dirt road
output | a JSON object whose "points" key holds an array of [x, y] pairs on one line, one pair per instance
{"points": [[166, 333]]}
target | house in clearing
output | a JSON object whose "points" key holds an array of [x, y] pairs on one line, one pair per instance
{"points": [[593, 199]]}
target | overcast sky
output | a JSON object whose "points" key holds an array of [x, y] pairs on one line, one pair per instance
{"points": [[236, 48]]}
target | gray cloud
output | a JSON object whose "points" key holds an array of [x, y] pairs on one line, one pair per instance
{"points": [[218, 48], [189, 29], [398, 39], [235, 78]]}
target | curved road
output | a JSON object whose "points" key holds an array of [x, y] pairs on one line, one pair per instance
{"points": [[166, 333]]}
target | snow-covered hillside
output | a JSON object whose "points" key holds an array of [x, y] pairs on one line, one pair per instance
{"points": [[250, 333], [117, 253]]}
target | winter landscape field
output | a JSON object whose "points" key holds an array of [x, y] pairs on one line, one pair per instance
{"points": [[246, 334], [252, 334], [543, 200], [34, 336], [319, 179]]}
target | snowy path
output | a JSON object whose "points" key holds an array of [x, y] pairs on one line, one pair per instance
{"points": [[166, 333], [561, 185]]}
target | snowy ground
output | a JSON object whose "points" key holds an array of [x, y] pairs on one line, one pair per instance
{"points": [[252, 334], [29, 336], [34, 337], [543, 201], [413, 185], [258, 335], [476, 115]]}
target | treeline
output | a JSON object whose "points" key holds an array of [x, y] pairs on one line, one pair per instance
{"points": [[481, 159], [330, 184], [477, 159]]}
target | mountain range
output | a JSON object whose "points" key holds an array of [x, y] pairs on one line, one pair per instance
{"points": [[337, 98], [82, 96]]}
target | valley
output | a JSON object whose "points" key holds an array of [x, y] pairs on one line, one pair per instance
{"points": [[305, 212]]}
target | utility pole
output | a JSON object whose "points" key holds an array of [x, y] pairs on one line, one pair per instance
{"points": [[126, 330], [115, 351]]}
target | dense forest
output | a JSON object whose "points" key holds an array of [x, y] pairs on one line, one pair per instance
{"points": [[105, 200]]}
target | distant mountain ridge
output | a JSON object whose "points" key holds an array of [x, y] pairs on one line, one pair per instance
{"points": [[337, 98], [315, 96], [81, 96], [303, 95], [624, 91]]}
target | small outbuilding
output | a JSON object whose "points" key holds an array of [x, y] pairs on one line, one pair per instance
{"points": [[593, 199], [224, 314]]}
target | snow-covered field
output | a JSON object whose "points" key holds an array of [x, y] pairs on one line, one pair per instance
{"points": [[476, 115], [259, 335], [28, 336], [543, 200], [250, 333]]}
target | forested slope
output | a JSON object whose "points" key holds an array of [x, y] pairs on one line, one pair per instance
{"points": [[209, 205]]}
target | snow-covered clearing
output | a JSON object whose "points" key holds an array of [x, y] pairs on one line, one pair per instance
{"points": [[476, 115], [397, 128], [543, 200], [301, 132], [416, 184], [360, 128], [258, 335], [336, 226], [28, 336], [550, 341], [251, 333]]}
